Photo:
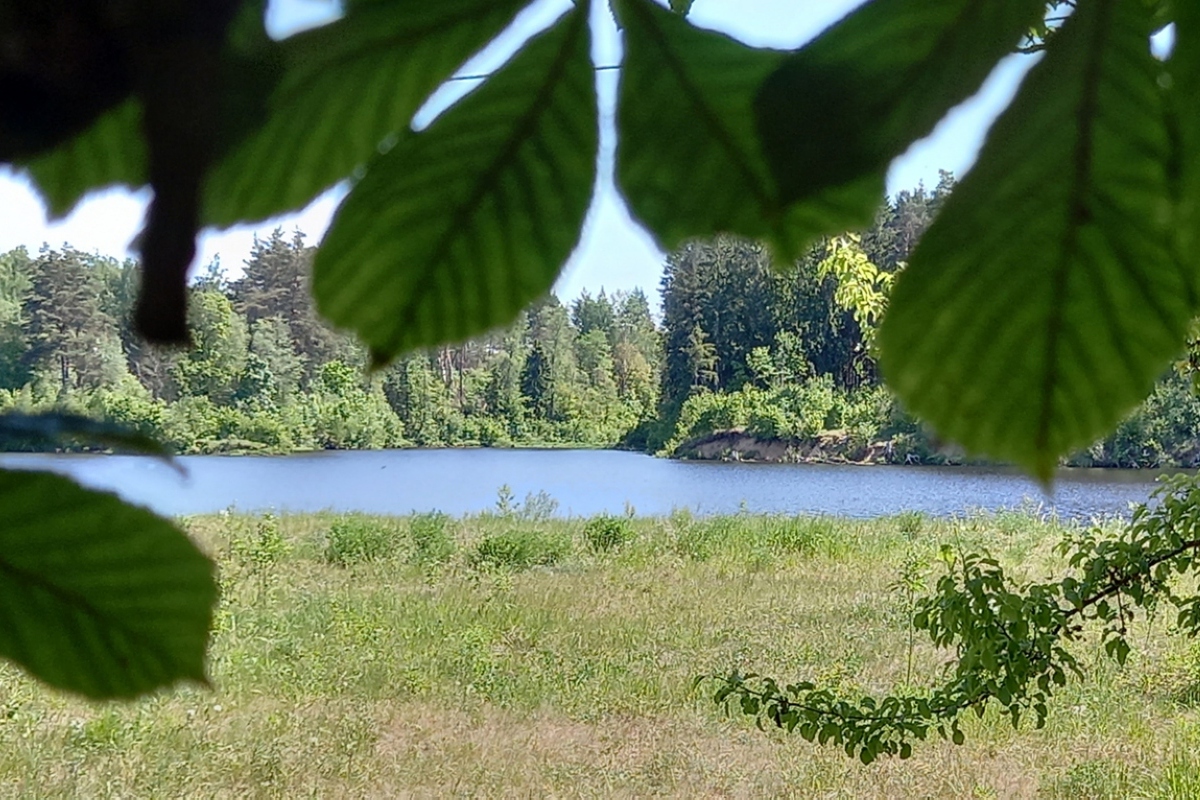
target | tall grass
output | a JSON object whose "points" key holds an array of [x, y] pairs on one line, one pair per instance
{"points": [[364, 656]]}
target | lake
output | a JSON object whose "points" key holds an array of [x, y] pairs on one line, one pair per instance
{"points": [[583, 482]]}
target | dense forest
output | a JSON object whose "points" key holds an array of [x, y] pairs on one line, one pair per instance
{"points": [[266, 373], [783, 355]]}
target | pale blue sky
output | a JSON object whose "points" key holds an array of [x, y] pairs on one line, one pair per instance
{"points": [[614, 252]]}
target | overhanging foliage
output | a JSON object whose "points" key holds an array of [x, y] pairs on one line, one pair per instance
{"points": [[1035, 313], [1020, 347]]}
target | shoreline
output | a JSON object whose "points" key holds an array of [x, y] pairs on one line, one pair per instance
{"points": [[736, 445], [733, 446], [830, 447]]}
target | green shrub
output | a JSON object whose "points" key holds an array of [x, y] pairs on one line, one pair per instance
{"points": [[770, 422], [812, 406], [432, 543], [262, 547], [705, 412], [131, 405], [605, 533], [790, 411], [520, 549], [354, 539]]}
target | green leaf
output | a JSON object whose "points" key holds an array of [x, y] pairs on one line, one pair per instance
{"points": [[689, 161], [460, 226], [97, 596], [347, 87], [57, 428], [1185, 106], [112, 152], [842, 107], [1045, 299]]}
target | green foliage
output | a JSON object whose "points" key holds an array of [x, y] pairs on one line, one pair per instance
{"points": [[259, 549], [1010, 639], [212, 368], [431, 540], [841, 108], [538, 506], [536, 381], [130, 406], [701, 539], [606, 533], [109, 153], [100, 597], [689, 160], [524, 144], [862, 288], [520, 549], [1032, 318], [356, 539], [712, 136], [1081, 279], [347, 416], [729, 318], [504, 501], [262, 548], [793, 412], [1161, 432], [71, 337], [803, 535], [909, 584], [344, 89], [20, 431], [267, 375]]}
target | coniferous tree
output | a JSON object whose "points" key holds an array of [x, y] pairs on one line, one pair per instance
{"points": [[702, 359], [73, 342], [535, 381], [14, 287], [275, 283], [557, 370], [726, 288], [593, 313]]}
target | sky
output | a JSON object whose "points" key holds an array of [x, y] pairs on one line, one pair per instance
{"points": [[614, 253]]}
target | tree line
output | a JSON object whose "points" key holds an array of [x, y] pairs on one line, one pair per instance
{"points": [[791, 354], [782, 354], [265, 372]]}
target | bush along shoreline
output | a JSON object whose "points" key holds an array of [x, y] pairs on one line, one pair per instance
{"points": [[816, 423]]}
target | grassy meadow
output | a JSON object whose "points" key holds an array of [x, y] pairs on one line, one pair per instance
{"points": [[509, 656]]}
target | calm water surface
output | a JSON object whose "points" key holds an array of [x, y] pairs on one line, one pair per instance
{"points": [[584, 482]]}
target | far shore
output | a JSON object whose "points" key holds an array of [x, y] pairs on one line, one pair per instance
{"points": [[840, 447]]}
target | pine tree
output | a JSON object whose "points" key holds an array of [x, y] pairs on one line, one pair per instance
{"points": [[275, 283], [535, 381], [73, 342]]}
